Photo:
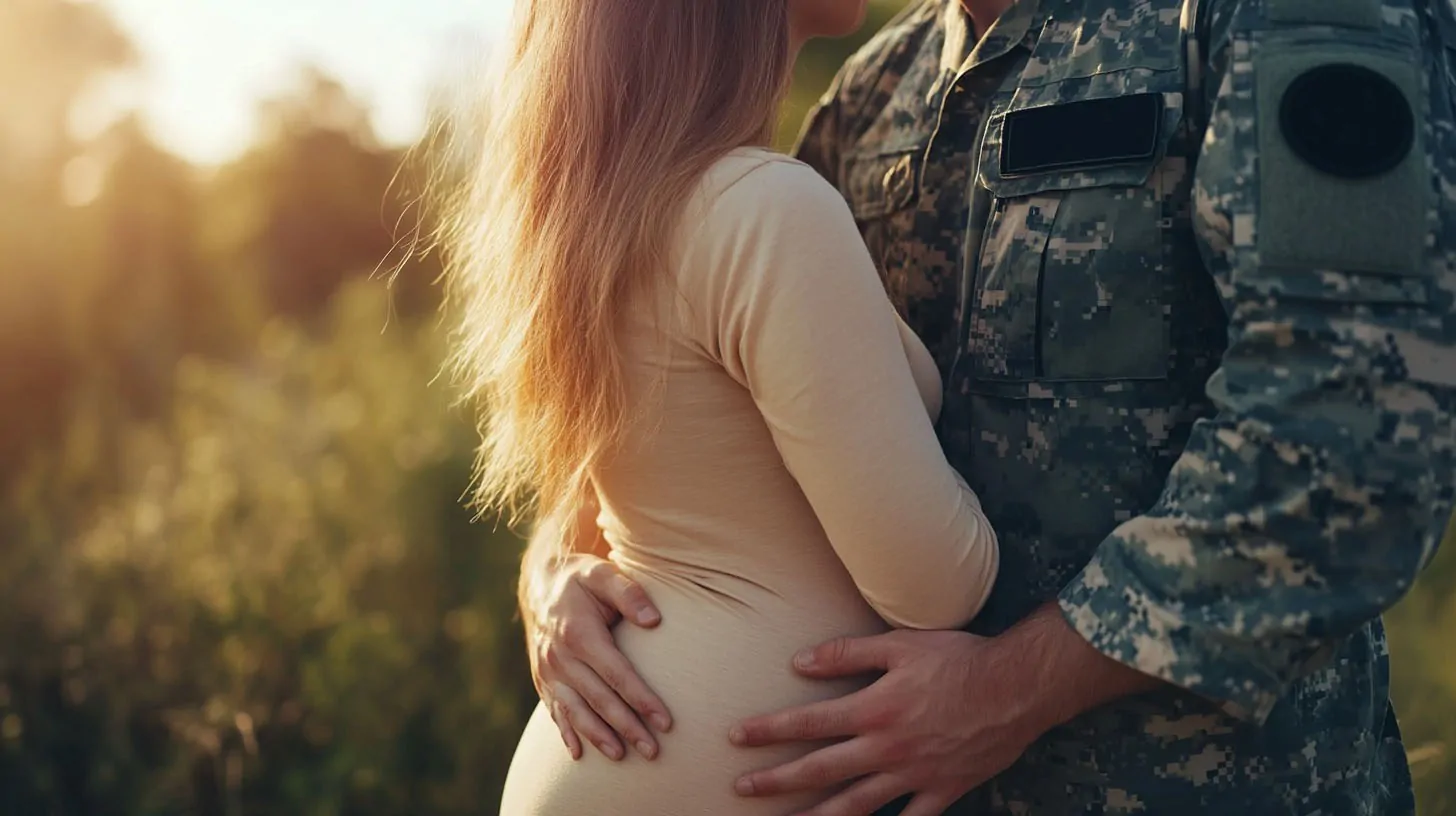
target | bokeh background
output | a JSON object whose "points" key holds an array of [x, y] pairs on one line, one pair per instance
{"points": [[236, 578]]}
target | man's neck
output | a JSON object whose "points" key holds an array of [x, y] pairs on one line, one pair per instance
{"points": [[984, 12]]}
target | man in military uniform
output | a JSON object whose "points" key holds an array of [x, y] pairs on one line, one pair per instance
{"points": [[1190, 273]]}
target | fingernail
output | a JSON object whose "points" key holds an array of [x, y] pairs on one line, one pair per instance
{"points": [[611, 750], [737, 735], [804, 660], [647, 617], [660, 722], [744, 787], [645, 749]]}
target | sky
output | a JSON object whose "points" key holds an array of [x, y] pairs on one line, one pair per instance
{"points": [[206, 62]]}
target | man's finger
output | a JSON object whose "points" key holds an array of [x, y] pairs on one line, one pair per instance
{"points": [[607, 583], [843, 657], [927, 804], [815, 721], [584, 720], [862, 798], [815, 771]]}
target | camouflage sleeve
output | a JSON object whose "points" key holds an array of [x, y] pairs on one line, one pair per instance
{"points": [[818, 142], [1310, 502]]}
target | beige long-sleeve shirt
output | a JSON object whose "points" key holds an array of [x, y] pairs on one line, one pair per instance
{"points": [[782, 485]]}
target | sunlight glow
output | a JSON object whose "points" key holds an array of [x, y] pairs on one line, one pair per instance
{"points": [[206, 62]]}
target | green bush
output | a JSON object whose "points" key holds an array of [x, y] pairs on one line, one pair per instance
{"points": [[285, 610], [1423, 679]]}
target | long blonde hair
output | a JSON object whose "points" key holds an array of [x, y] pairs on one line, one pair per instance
{"points": [[607, 114]]}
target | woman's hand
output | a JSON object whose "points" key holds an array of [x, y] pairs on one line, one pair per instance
{"points": [[590, 688]]}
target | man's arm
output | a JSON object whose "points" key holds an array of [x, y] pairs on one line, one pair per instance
{"points": [[1307, 506]]}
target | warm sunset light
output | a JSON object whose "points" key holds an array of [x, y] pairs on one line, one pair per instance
{"points": [[922, 403], [202, 61]]}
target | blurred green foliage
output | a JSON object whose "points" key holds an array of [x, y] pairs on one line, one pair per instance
{"points": [[274, 605], [237, 576]]}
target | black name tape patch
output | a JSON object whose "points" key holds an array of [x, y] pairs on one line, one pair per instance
{"points": [[1087, 133]]}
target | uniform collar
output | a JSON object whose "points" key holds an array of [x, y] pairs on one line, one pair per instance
{"points": [[1013, 28]]}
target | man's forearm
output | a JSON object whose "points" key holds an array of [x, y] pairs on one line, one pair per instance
{"points": [[1062, 675]]}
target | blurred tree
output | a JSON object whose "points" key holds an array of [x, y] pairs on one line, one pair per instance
{"points": [[148, 302], [320, 175], [52, 52]]}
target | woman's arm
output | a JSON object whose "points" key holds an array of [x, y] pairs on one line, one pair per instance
{"points": [[570, 597], [545, 554], [797, 314]]}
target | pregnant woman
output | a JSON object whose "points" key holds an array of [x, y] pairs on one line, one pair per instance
{"points": [[670, 324]]}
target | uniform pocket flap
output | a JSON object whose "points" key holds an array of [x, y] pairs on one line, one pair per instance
{"points": [[1033, 146], [878, 184]]}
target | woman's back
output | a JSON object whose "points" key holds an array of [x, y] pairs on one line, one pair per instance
{"points": [[717, 500], [700, 493]]}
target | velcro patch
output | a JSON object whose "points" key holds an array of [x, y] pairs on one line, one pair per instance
{"points": [[1086, 133], [1348, 13], [1347, 120], [1342, 178]]}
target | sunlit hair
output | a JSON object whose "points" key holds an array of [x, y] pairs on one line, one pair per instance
{"points": [[607, 114]]}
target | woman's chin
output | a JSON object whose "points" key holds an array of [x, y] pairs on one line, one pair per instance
{"points": [[828, 18]]}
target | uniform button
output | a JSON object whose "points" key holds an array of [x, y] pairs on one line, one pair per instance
{"points": [[899, 180]]}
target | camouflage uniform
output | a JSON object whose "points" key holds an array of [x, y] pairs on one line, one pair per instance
{"points": [[1204, 390]]}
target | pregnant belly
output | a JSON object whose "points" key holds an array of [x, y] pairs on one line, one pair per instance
{"points": [[714, 660]]}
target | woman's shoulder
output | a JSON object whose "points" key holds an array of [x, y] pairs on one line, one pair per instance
{"points": [[752, 188], [759, 222], [748, 172]]}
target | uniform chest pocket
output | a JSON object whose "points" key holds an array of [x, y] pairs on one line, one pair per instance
{"points": [[877, 184], [883, 190], [1072, 280]]}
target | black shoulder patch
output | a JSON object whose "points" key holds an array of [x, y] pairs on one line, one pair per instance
{"points": [[1347, 120], [1087, 133]]}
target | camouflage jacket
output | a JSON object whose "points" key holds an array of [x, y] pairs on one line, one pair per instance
{"points": [[1200, 359]]}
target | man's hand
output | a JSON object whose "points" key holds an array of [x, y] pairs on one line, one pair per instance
{"points": [[929, 726], [590, 688], [951, 711]]}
